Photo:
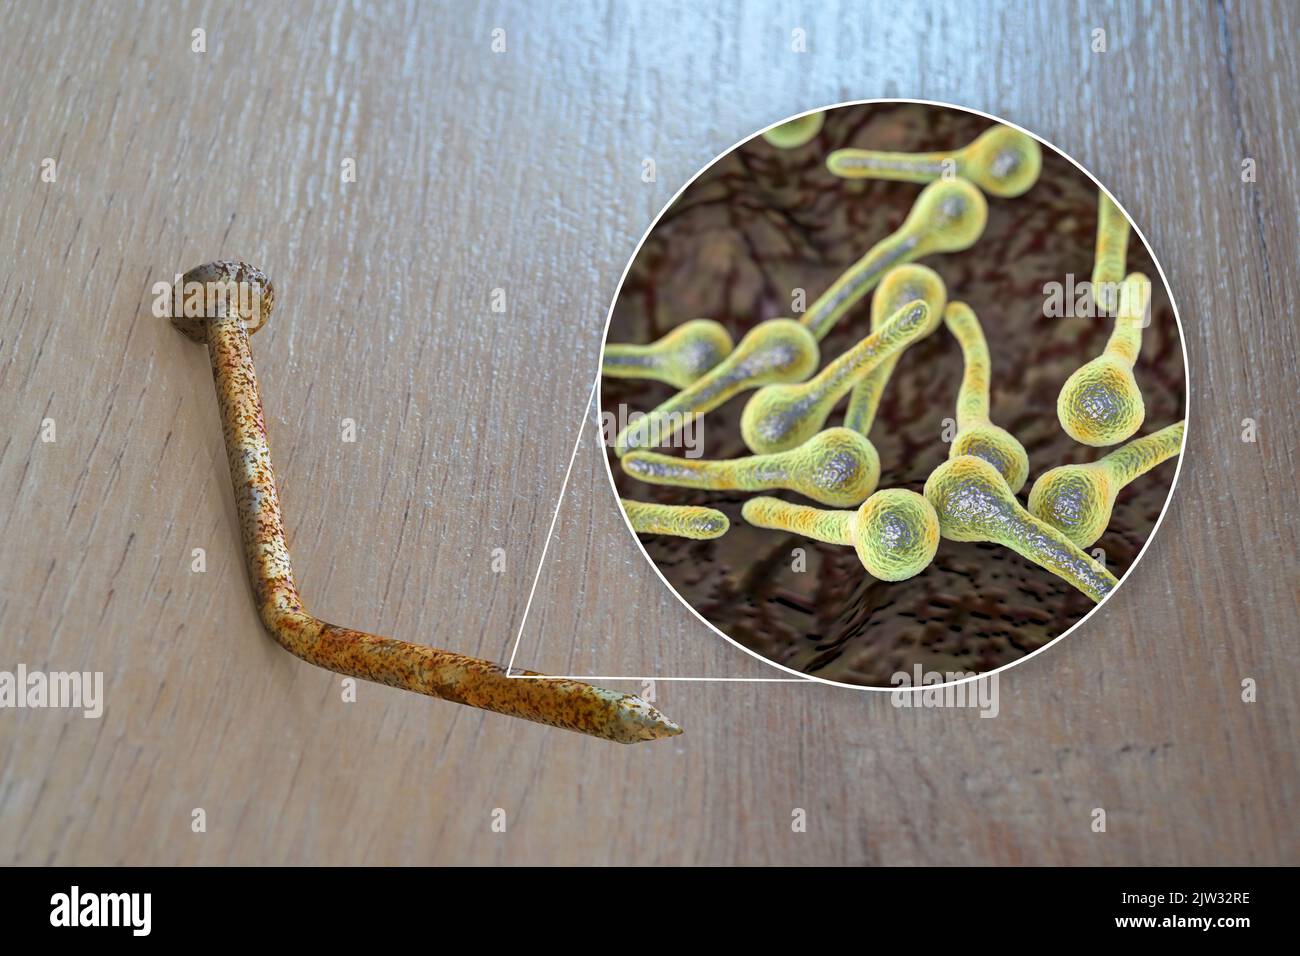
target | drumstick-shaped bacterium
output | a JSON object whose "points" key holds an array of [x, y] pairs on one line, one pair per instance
{"points": [[898, 287], [895, 532], [976, 434], [796, 132], [837, 467], [974, 503], [778, 350], [1110, 255], [1002, 161], [678, 359], [781, 417], [1079, 499], [426, 670], [1100, 404], [948, 216], [679, 521]]}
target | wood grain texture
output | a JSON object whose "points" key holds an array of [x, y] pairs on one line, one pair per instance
{"points": [[522, 171]]}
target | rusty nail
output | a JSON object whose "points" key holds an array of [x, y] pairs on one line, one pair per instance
{"points": [[558, 702]]}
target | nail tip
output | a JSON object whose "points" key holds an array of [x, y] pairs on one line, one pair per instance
{"points": [[643, 721], [660, 730]]}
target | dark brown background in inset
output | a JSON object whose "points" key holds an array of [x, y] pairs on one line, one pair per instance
{"points": [[762, 222], [523, 171]]}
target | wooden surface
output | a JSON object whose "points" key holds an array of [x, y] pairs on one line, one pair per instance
{"points": [[522, 171]]}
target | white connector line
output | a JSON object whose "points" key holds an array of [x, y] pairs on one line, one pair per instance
{"points": [[715, 680], [546, 546]]}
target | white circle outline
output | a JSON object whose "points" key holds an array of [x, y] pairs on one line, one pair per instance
{"points": [[1178, 467]]}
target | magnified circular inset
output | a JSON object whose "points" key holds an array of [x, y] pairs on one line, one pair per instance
{"points": [[893, 387]]}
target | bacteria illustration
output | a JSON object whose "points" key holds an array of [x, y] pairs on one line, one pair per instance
{"points": [[1100, 404], [796, 132], [895, 532], [1002, 161], [678, 359], [894, 460], [780, 350], [909, 283], [948, 216], [1079, 499], [1110, 253], [976, 434], [779, 417], [681, 521], [975, 503], [835, 467]]}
